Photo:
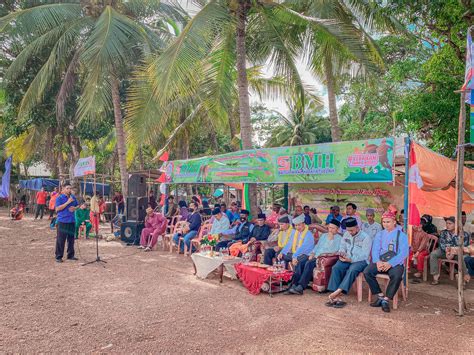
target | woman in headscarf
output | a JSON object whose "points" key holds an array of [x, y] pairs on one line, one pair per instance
{"points": [[427, 224], [183, 210], [420, 245]]}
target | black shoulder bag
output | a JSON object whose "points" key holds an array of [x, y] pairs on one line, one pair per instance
{"points": [[390, 254]]}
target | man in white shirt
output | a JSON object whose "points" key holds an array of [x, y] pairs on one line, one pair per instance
{"points": [[371, 227], [220, 222]]}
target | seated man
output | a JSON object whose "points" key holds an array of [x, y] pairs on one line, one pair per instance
{"points": [[240, 232], [469, 261], [260, 233], [155, 225], [353, 259], [278, 239], [233, 214], [351, 212], [389, 251], [191, 230], [447, 240], [371, 227], [335, 213], [82, 215], [220, 222], [272, 219], [327, 245], [299, 245]]}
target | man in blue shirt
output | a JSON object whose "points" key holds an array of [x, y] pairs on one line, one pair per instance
{"points": [[65, 206], [354, 254], [241, 232], [389, 251], [233, 214], [191, 231], [335, 214]]}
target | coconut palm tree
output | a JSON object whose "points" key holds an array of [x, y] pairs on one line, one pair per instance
{"points": [[329, 58], [300, 127], [240, 31], [93, 44]]}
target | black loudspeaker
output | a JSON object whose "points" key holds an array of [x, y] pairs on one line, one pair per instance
{"points": [[130, 232], [136, 208], [137, 185]]}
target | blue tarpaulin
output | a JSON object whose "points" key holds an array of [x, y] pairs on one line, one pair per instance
{"points": [[103, 189], [49, 184], [38, 183]]}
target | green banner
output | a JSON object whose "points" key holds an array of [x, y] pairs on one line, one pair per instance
{"points": [[357, 161]]}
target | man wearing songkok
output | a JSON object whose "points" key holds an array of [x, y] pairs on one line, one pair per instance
{"points": [[353, 259], [328, 244], [351, 210], [300, 244], [240, 232], [220, 221], [371, 227], [389, 251], [278, 239], [260, 233], [155, 225]]}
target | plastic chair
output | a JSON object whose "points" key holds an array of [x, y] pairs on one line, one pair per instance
{"points": [[452, 263], [433, 244], [177, 229], [170, 231], [174, 220], [196, 242]]}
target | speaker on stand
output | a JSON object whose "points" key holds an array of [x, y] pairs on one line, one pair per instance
{"points": [[137, 185]]}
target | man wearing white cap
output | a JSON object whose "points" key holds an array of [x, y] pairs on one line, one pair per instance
{"points": [[300, 244], [155, 225], [371, 227]]}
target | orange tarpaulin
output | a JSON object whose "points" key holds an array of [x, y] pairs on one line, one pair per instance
{"points": [[430, 188]]}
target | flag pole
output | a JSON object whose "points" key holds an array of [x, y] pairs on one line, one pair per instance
{"points": [[459, 191]]}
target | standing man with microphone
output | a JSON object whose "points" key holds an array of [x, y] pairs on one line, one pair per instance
{"points": [[65, 205]]}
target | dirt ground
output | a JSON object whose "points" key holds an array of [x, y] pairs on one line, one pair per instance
{"points": [[151, 302]]}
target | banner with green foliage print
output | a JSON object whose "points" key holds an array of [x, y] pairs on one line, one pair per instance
{"points": [[342, 162]]}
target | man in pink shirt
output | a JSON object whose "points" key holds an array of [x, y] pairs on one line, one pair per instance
{"points": [[273, 218], [155, 225]]}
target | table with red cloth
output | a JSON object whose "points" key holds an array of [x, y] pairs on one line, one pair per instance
{"points": [[254, 277]]}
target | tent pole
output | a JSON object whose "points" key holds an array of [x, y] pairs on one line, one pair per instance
{"points": [[406, 201], [407, 181], [459, 190]]}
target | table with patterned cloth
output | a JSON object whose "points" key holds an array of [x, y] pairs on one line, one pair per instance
{"points": [[254, 277], [204, 264]]}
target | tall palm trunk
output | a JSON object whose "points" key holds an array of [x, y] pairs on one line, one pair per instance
{"points": [[330, 83], [120, 134], [243, 85]]}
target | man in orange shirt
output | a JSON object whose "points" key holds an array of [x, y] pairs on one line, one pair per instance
{"points": [[40, 203], [52, 201]]}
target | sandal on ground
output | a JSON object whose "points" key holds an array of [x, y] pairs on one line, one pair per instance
{"points": [[415, 280], [435, 282], [339, 304], [330, 302]]}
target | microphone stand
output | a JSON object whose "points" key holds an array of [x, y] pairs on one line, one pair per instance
{"points": [[97, 259]]}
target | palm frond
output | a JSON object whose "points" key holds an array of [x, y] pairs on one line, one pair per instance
{"points": [[175, 68], [33, 49], [41, 19], [178, 129], [67, 86], [110, 46], [55, 65]]}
